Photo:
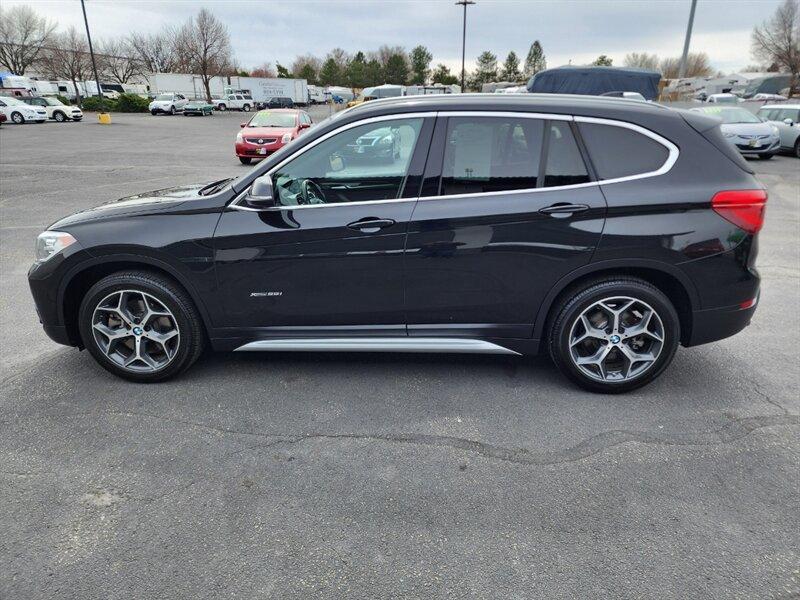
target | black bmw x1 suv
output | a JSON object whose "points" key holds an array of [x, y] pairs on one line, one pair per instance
{"points": [[603, 232]]}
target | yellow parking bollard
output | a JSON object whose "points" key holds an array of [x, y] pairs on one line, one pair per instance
{"points": [[104, 118]]}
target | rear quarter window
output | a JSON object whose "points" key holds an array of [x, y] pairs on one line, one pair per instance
{"points": [[620, 152]]}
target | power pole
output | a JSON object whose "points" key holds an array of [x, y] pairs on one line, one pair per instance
{"points": [[91, 52], [463, 3], [685, 55]]}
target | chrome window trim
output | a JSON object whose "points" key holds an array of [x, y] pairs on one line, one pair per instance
{"points": [[672, 157]]}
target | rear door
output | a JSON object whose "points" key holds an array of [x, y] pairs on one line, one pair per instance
{"points": [[507, 208]]}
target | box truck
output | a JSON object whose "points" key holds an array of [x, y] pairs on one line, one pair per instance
{"points": [[261, 89]]}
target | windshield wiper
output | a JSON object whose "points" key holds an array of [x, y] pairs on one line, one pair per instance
{"points": [[214, 187]]}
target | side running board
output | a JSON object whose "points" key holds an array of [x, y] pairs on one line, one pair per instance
{"points": [[368, 344]]}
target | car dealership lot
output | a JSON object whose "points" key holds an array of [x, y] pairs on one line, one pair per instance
{"points": [[312, 475]]}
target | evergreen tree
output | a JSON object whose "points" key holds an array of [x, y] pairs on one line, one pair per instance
{"points": [[373, 73], [485, 70], [357, 71], [420, 65], [329, 74], [283, 72], [307, 72], [510, 70], [535, 60], [441, 74], [602, 61], [396, 70]]}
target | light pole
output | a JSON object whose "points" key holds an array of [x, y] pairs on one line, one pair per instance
{"points": [[685, 55], [463, 3], [91, 53]]}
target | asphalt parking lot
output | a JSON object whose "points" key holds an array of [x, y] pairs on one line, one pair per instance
{"points": [[377, 476]]}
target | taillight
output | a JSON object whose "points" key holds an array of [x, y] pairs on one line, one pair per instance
{"points": [[743, 208]]}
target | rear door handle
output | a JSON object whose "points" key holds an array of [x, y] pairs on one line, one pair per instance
{"points": [[563, 208], [371, 224]]}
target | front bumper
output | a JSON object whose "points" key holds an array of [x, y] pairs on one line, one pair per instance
{"points": [[767, 147], [248, 150]]}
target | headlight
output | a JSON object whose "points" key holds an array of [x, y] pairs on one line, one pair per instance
{"points": [[50, 243], [287, 137], [239, 137]]}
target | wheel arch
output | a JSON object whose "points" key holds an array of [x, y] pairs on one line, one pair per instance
{"points": [[78, 281], [675, 284]]}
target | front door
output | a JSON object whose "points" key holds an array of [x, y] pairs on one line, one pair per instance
{"points": [[329, 254], [512, 212]]}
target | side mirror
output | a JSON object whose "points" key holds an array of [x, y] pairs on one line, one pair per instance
{"points": [[304, 125], [789, 122], [242, 124], [260, 194]]}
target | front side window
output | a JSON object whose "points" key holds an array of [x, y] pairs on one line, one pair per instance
{"points": [[364, 163], [621, 152], [788, 113], [491, 154]]}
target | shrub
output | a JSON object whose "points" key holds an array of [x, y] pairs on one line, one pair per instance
{"points": [[63, 99], [131, 103], [98, 104]]}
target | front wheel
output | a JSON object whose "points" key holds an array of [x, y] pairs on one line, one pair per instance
{"points": [[614, 335], [154, 112], [17, 118], [59, 116], [172, 110], [244, 160], [246, 108], [222, 108], [140, 326]]}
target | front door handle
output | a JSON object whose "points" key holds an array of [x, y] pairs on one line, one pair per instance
{"points": [[370, 224], [563, 208]]}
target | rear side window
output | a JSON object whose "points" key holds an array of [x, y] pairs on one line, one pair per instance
{"points": [[564, 161], [491, 154], [621, 152]]}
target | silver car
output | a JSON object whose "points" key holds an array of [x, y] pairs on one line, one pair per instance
{"points": [[750, 134], [786, 117]]}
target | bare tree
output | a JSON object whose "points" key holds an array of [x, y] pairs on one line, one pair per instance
{"points": [[299, 64], [23, 34], [207, 44], [118, 61], [778, 40], [641, 60], [265, 70], [697, 65], [157, 52], [68, 58]]}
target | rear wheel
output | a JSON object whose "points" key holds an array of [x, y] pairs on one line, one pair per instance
{"points": [[246, 108], [17, 118], [59, 116], [154, 112], [614, 335], [244, 160], [140, 326], [172, 110]]}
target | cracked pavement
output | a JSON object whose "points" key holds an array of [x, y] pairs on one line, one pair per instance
{"points": [[403, 476]]}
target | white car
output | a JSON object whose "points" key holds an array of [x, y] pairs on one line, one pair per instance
{"points": [[235, 102], [768, 98], [786, 117], [56, 110], [751, 135], [168, 104], [723, 99], [18, 112]]}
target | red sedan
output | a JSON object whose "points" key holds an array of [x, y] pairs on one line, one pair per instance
{"points": [[268, 131]]}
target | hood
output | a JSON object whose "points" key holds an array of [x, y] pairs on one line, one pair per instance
{"points": [[267, 131], [747, 128], [135, 205]]}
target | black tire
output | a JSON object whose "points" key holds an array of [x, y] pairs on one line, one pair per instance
{"points": [[154, 112], [765, 156], [167, 292], [571, 307], [172, 110], [244, 160], [246, 108], [222, 108], [797, 148], [17, 118], [59, 116]]}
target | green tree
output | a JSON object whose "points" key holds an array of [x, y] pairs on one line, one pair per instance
{"points": [[308, 73], [329, 74], [357, 71], [420, 65], [441, 74], [602, 61], [396, 70], [283, 72], [510, 70], [485, 70], [373, 73], [535, 61]]}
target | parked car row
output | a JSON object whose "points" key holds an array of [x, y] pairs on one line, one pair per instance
{"points": [[36, 109], [172, 103]]}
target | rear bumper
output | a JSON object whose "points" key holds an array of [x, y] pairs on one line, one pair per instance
{"points": [[719, 323]]}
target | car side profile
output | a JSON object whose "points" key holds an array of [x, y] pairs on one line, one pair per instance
{"points": [[600, 231], [56, 110], [786, 117], [167, 104], [19, 112]]}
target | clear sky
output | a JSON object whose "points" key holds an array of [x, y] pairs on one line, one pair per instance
{"points": [[576, 30]]}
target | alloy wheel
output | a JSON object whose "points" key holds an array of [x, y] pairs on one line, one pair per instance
{"points": [[17, 118], [616, 339], [136, 331]]}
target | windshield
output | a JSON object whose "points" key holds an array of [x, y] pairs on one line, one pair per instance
{"points": [[53, 102], [726, 99], [730, 116], [273, 119], [164, 97]]}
